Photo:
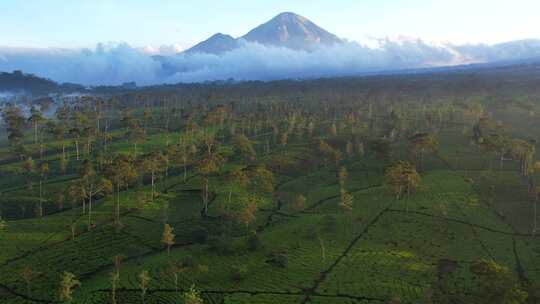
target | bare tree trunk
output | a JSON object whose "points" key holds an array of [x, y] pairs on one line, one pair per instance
{"points": [[535, 214], [185, 170], [35, 132], [153, 184], [77, 148], [421, 159], [205, 197], [83, 206], [117, 203], [90, 208], [40, 197]]}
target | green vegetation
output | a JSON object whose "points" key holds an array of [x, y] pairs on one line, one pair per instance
{"points": [[264, 193]]}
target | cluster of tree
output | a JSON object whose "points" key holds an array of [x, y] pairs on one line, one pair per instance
{"points": [[208, 127]]}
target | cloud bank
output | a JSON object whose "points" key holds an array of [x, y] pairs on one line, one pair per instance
{"points": [[116, 63]]}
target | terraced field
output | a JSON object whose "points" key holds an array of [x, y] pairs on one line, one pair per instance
{"points": [[420, 248]]}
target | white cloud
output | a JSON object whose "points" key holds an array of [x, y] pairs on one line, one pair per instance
{"points": [[163, 50], [117, 63]]}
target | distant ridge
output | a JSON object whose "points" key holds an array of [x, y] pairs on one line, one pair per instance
{"points": [[17, 81]]}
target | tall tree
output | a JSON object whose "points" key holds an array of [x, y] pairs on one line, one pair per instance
{"points": [[401, 179], [153, 163], [422, 143], [63, 116], [498, 143], [121, 172], [342, 177], [79, 120], [350, 149], [330, 154], [299, 203], [15, 121], [176, 268], [184, 153], [237, 178], [243, 147], [28, 275], [89, 134], [43, 170], [29, 167], [245, 209], [136, 135], [147, 117], [115, 277], [115, 281], [67, 283], [261, 181], [346, 204], [36, 119], [144, 279], [92, 185], [57, 132], [209, 164], [192, 296], [76, 194], [495, 284], [167, 238]]}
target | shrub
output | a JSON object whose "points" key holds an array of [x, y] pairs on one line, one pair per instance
{"points": [[202, 271], [278, 259], [187, 261], [253, 241], [200, 235], [222, 245], [310, 233], [239, 272], [329, 223]]}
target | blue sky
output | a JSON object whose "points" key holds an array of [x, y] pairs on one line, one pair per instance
{"points": [[83, 23]]}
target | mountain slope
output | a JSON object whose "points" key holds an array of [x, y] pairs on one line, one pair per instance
{"points": [[292, 31], [217, 44], [285, 30]]}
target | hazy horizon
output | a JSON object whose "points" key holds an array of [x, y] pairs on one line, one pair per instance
{"points": [[164, 23]]}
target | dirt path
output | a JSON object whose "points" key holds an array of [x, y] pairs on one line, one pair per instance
{"points": [[311, 291]]}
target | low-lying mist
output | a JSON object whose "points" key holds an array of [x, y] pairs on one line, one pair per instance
{"points": [[116, 63]]}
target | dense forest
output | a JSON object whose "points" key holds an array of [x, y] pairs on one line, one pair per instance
{"points": [[409, 188]]}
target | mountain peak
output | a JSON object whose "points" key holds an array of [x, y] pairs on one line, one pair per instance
{"points": [[293, 31], [287, 29], [217, 44], [221, 36], [289, 15]]}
